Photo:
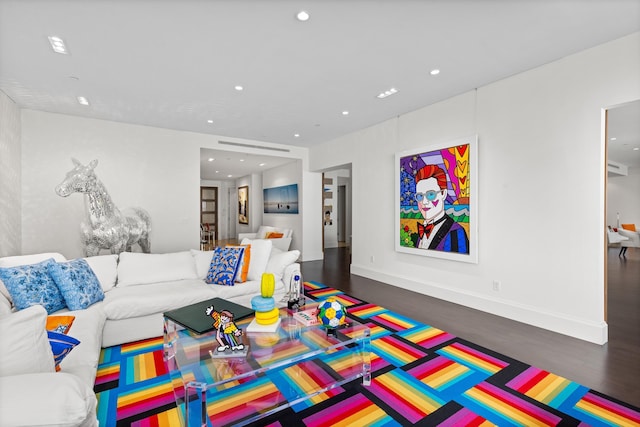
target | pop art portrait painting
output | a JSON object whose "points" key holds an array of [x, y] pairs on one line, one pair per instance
{"points": [[436, 197]]}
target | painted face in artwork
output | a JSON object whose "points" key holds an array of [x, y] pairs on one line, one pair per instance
{"points": [[430, 199]]}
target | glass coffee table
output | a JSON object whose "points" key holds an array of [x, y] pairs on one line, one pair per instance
{"points": [[295, 365]]}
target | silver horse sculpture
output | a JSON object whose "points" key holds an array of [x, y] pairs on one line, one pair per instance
{"points": [[107, 227]]}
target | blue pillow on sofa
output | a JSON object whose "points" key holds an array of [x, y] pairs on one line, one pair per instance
{"points": [[31, 284], [61, 345], [225, 265], [77, 282]]}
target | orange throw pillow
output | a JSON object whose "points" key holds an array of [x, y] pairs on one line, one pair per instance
{"points": [[274, 235], [60, 324], [630, 227]]}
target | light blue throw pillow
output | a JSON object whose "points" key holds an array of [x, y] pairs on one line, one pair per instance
{"points": [[225, 265], [32, 285], [77, 282]]}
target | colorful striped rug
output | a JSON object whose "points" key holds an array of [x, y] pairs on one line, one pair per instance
{"points": [[420, 376]]}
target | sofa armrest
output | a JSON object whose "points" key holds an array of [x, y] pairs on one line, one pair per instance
{"points": [[61, 399]]}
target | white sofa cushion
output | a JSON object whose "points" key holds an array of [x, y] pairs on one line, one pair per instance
{"points": [[105, 268], [25, 344], [51, 399], [202, 260], [279, 261], [143, 269], [87, 327], [260, 252], [14, 261]]}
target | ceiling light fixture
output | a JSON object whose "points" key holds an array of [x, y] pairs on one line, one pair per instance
{"points": [[242, 160], [211, 159], [345, 113], [209, 121], [296, 135], [82, 100], [613, 138], [302, 16], [262, 164], [636, 149], [229, 176], [386, 93], [434, 72], [238, 88], [57, 44]]}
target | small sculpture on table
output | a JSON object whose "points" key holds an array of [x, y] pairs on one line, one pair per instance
{"points": [[331, 314], [228, 334]]}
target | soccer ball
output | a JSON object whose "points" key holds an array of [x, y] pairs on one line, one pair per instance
{"points": [[331, 313]]}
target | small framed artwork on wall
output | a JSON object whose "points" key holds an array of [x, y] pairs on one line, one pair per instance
{"points": [[436, 200], [243, 204]]}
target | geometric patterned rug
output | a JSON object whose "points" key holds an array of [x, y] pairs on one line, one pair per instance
{"points": [[420, 376]]}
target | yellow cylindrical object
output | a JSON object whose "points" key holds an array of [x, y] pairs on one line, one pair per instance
{"points": [[267, 317], [267, 285]]}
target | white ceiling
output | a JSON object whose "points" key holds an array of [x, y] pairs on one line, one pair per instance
{"points": [[174, 64]]}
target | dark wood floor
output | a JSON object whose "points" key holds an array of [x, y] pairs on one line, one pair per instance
{"points": [[613, 369]]}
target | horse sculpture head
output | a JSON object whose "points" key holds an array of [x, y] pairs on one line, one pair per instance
{"points": [[80, 179]]}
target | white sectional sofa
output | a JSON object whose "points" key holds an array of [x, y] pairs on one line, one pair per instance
{"points": [[138, 288]]}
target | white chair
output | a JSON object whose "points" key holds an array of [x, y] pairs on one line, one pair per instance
{"points": [[614, 237], [632, 240], [264, 231]]}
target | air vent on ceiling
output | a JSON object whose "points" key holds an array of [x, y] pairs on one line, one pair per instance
{"points": [[259, 147]]}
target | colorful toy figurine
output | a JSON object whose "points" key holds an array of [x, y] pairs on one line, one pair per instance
{"points": [[227, 333]]}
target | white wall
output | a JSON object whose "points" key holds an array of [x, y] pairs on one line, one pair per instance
{"points": [[10, 178], [623, 196], [157, 169], [540, 190]]}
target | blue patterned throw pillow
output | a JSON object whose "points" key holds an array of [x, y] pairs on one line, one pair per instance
{"points": [[224, 266], [77, 282], [31, 285], [61, 345]]}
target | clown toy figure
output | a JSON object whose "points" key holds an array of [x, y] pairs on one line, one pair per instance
{"points": [[227, 333]]}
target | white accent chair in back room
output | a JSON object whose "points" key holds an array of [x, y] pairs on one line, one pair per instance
{"points": [[281, 237], [633, 238]]}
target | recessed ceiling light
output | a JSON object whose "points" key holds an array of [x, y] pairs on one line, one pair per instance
{"points": [[82, 100], [388, 92], [262, 164], [303, 16], [613, 139], [434, 72], [636, 149], [296, 135], [229, 176], [211, 159], [217, 171], [57, 44], [242, 160], [209, 121], [238, 88], [345, 113]]}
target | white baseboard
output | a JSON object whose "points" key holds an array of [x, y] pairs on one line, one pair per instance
{"points": [[595, 332]]}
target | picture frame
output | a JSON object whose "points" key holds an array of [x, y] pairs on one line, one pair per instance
{"points": [[243, 204], [281, 200], [436, 199]]}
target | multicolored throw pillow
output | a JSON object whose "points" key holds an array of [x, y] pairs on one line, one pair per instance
{"points": [[77, 282], [224, 266], [61, 345], [31, 284], [243, 270]]}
